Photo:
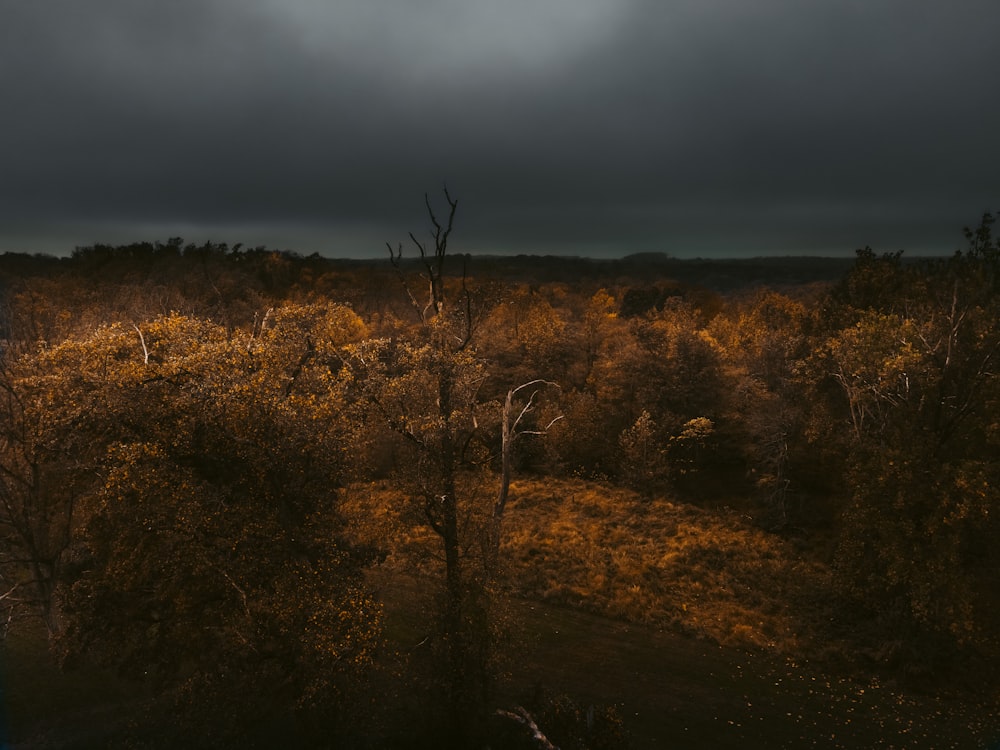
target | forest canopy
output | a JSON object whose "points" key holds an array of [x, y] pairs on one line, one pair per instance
{"points": [[212, 458]]}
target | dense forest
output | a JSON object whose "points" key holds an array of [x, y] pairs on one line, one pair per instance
{"points": [[249, 498]]}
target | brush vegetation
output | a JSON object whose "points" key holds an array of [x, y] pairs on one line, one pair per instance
{"points": [[253, 499]]}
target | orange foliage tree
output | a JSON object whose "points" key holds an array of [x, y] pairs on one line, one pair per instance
{"points": [[208, 554], [918, 403]]}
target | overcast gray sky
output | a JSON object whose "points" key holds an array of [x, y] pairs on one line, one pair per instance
{"points": [[693, 127]]}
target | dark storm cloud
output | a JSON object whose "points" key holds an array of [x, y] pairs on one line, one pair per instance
{"points": [[697, 126]]}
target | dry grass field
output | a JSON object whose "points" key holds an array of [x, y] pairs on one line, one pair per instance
{"points": [[706, 573], [702, 630], [609, 551]]}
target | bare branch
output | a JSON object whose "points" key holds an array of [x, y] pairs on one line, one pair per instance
{"points": [[522, 717], [258, 330], [536, 381], [142, 340], [10, 592], [528, 406], [395, 258], [509, 434], [239, 590], [544, 430], [433, 264], [430, 210], [467, 298]]}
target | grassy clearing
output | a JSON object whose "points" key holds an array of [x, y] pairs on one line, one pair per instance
{"points": [[652, 562], [660, 563], [705, 631]]}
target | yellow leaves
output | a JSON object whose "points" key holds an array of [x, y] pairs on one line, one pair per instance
{"points": [[878, 364], [290, 329], [697, 429], [602, 305], [209, 489]]}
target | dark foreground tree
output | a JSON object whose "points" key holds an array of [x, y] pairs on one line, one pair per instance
{"points": [[427, 390], [46, 467], [209, 559], [915, 370]]}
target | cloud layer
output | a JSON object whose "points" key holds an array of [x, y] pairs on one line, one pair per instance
{"points": [[694, 127]]}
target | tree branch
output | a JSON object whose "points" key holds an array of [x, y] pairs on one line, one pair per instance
{"points": [[509, 434], [522, 717], [142, 340], [433, 265], [395, 258]]}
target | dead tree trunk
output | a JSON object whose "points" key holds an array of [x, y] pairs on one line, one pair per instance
{"points": [[511, 427], [467, 630]]}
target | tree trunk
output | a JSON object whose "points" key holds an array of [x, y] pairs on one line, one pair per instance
{"points": [[46, 594]]}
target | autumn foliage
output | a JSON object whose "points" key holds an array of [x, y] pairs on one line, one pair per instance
{"points": [[210, 458]]}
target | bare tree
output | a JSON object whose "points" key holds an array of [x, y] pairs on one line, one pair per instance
{"points": [[512, 426], [431, 260], [427, 390]]}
